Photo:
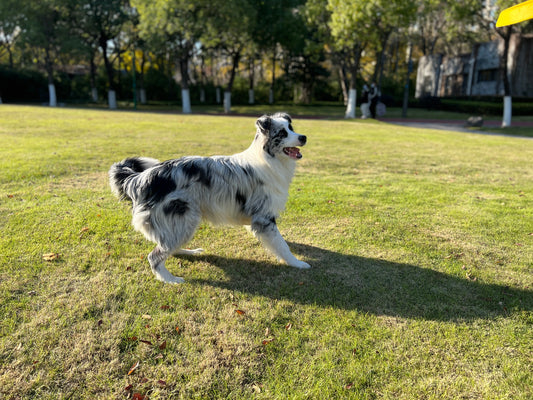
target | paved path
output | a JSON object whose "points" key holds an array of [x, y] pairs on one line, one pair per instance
{"points": [[451, 125]]}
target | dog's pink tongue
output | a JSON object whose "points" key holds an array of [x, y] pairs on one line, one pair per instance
{"points": [[294, 152]]}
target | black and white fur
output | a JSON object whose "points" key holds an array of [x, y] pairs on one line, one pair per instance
{"points": [[170, 199]]}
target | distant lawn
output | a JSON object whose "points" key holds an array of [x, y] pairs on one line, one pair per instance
{"points": [[330, 110], [420, 241]]}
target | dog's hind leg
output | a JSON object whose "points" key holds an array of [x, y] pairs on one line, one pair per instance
{"points": [[266, 230], [157, 260], [173, 225]]}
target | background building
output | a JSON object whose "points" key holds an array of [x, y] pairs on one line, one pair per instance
{"points": [[478, 73]]}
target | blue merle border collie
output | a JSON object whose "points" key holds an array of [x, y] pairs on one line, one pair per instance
{"points": [[170, 198]]}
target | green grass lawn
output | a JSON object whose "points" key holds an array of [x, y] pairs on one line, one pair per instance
{"points": [[420, 244]]}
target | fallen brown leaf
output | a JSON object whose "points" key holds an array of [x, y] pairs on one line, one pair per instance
{"points": [[240, 312], [50, 256], [163, 345], [133, 368]]}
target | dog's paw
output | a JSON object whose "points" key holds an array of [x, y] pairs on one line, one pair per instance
{"points": [[172, 279], [190, 251], [300, 265], [167, 277]]}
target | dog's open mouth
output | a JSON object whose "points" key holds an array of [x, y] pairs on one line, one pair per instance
{"points": [[293, 152]]}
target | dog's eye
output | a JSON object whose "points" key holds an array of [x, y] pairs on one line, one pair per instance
{"points": [[283, 134]]}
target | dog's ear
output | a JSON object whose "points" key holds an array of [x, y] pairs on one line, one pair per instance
{"points": [[263, 124], [283, 115]]}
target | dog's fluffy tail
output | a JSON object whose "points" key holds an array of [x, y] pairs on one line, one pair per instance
{"points": [[121, 171]]}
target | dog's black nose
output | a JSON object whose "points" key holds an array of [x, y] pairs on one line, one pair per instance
{"points": [[303, 139]]}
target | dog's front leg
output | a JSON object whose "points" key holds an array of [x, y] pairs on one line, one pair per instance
{"points": [[266, 230]]}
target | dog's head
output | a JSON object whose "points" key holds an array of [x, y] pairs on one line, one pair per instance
{"points": [[277, 136]]}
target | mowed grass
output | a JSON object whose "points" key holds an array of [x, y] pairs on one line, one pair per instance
{"points": [[420, 244]]}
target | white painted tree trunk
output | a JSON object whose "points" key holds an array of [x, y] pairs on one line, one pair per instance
{"points": [[507, 111], [350, 108], [94, 94], [52, 95], [270, 96], [186, 101], [142, 93], [251, 96], [227, 102], [112, 99], [202, 95], [217, 93]]}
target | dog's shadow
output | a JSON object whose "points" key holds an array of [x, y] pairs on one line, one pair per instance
{"points": [[371, 286]]}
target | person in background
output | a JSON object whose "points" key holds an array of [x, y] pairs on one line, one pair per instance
{"points": [[373, 97], [365, 105]]}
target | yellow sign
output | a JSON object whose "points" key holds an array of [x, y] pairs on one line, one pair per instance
{"points": [[513, 15]]}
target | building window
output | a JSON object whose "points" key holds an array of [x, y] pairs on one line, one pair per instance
{"points": [[487, 75]]}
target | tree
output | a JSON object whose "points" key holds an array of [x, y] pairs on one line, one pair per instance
{"points": [[275, 29], [10, 16], [44, 32], [175, 25], [505, 34], [486, 18], [306, 52], [351, 31], [97, 23], [230, 24], [357, 26]]}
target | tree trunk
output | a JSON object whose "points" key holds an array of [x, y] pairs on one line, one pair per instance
{"points": [[186, 101], [344, 85], [505, 33], [112, 99], [92, 79], [406, 87], [227, 93], [352, 101], [52, 95], [51, 87], [227, 102], [251, 79], [142, 90], [271, 91], [354, 68], [142, 95], [112, 96], [185, 94]]}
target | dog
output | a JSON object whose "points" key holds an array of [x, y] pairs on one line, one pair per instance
{"points": [[171, 198]]}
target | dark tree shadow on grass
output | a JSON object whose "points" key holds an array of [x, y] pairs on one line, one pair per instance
{"points": [[370, 285]]}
